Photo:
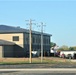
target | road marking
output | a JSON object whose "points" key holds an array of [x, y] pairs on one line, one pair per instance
{"points": [[44, 70]]}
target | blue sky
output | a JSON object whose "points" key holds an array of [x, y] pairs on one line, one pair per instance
{"points": [[58, 15]]}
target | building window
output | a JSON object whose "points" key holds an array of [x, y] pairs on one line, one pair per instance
{"points": [[33, 40], [15, 38]]}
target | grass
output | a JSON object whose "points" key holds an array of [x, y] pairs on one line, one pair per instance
{"points": [[46, 60]]}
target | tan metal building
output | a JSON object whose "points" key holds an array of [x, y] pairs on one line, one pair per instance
{"points": [[20, 38]]}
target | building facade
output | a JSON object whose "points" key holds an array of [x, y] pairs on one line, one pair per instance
{"points": [[20, 37]]}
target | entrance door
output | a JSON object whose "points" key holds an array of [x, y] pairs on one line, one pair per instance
{"points": [[75, 56]]}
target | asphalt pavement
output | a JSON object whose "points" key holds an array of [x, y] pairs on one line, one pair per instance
{"points": [[56, 71], [23, 73], [39, 71]]}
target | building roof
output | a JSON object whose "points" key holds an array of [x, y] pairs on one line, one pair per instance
{"points": [[3, 42], [11, 29], [5, 28]]}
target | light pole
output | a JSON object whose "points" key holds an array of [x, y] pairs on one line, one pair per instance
{"points": [[30, 40], [42, 41]]}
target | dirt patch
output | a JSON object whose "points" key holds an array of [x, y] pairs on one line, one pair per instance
{"points": [[26, 60], [14, 60]]}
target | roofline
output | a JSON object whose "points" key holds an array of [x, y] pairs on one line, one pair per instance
{"points": [[4, 42], [7, 44], [21, 30], [26, 32]]}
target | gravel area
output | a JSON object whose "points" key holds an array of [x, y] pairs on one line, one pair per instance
{"points": [[38, 66]]}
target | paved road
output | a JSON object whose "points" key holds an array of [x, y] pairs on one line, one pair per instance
{"points": [[42, 70], [24, 73], [48, 71]]}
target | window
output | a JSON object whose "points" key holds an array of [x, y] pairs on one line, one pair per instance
{"points": [[33, 40], [15, 38]]}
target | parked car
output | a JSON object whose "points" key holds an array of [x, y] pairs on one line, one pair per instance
{"points": [[62, 56], [68, 54]]}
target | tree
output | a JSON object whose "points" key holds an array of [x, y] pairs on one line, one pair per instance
{"points": [[60, 49], [64, 47], [52, 44], [71, 48]]}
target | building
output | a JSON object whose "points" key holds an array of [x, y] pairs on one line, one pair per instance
{"points": [[6, 49], [19, 39]]}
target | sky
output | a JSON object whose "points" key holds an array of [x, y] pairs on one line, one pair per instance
{"points": [[58, 16]]}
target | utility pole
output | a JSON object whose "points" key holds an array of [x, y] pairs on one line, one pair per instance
{"points": [[42, 41], [30, 40]]}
